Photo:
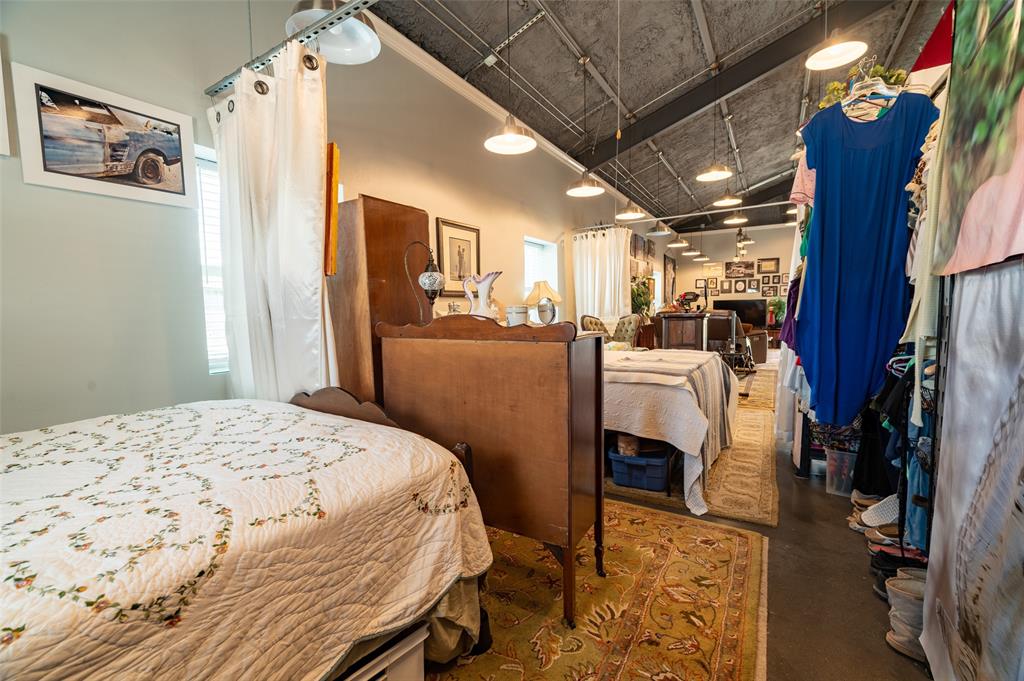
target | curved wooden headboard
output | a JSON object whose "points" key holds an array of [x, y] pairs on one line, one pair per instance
{"points": [[343, 403]]}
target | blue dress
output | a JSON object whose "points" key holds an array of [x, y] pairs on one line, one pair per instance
{"points": [[856, 296]]}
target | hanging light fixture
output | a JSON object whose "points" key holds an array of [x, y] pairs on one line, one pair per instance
{"points": [[631, 212], [834, 52], [716, 171], [690, 251], [742, 238], [736, 219], [513, 137], [351, 42], [586, 186], [701, 258], [680, 242], [660, 229], [699, 255], [728, 201]]}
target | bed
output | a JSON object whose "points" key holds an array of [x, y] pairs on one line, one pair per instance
{"points": [[229, 539], [684, 397]]}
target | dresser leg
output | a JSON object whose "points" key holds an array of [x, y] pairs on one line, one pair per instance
{"points": [[569, 588], [599, 546]]}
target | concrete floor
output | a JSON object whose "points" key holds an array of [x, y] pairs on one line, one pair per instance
{"points": [[824, 622]]}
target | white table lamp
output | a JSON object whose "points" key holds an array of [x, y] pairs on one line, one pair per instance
{"points": [[544, 297]]}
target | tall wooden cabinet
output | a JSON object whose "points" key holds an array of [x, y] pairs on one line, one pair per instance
{"points": [[371, 285]]}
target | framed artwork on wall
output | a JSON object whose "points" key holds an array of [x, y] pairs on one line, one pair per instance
{"points": [[713, 269], [767, 265], [79, 137], [458, 254], [739, 269], [669, 279], [785, 278], [713, 292], [776, 279], [766, 279], [726, 286], [753, 285], [700, 283], [712, 282], [770, 291], [784, 290], [739, 286], [650, 248]]}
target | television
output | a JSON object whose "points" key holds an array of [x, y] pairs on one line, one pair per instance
{"points": [[750, 311]]}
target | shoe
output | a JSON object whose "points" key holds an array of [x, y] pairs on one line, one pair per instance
{"points": [[865, 499], [885, 512], [888, 535], [911, 648], [906, 601], [908, 551], [912, 573]]}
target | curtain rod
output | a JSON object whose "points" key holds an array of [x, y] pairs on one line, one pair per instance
{"points": [[734, 209], [345, 10]]}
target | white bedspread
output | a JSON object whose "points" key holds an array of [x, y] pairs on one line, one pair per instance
{"points": [[652, 394], [235, 539]]}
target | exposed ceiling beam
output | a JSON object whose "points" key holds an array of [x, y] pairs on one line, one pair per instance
{"points": [[763, 194], [899, 35], [731, 80]]}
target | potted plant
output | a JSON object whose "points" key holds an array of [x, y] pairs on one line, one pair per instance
{"points": [[640, 297], [776, 311]]}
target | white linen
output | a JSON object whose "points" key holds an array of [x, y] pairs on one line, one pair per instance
{"points": [[223, 540], [652, 394], [271, 161], [600, 261], [974, 595]]}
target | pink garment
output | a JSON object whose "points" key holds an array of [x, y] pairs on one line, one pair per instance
{"points": [[803, 184], [993, 225]]}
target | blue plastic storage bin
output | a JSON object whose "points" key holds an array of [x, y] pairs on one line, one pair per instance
{"points": [[641, 472]]}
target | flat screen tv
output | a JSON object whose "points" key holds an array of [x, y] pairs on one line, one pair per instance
{"points": [[751, 311]]}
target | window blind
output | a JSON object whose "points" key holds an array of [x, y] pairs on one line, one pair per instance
{"points": [[210, 252]]}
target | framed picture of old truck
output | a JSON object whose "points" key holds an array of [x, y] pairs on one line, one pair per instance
{"points": [[75, 136]]}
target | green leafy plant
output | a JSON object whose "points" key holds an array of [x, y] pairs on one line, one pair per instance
{"points": [[778, 307], [837, 90], [640, 297]]}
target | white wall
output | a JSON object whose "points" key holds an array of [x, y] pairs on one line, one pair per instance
{"points": [[101, 298], [720, 246]]}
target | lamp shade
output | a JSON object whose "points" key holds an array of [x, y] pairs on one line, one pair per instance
{"points": [[631, 212], [513, 138], [541, 290], [659, 230], [353, 41], [727, 201], [735, 219], [679, 243], [702, 258], [585, 187], [715, 173], [835, 53]]}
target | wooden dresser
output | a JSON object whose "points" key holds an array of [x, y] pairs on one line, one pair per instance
{"points": [[682, 330], [371, 285], [529, 401]]}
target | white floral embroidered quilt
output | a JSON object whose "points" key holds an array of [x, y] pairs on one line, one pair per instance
{"points": [[230, 540]]}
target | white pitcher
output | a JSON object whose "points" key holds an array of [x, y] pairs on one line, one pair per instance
{"points": [[480, 305]]}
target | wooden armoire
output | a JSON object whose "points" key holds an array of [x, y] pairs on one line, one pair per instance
{"points": [[371, 285]]}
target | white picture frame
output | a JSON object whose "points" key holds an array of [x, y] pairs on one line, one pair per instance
{"points": [[83, 123]]}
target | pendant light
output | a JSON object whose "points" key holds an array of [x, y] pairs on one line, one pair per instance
{"points": [[728, 201], [631, 212], [716, 171], [660, 229], [680, 242], [736, 219], [700, 257], [586, 186], [351, 42], [513, 138], [835, 52], [690, 251], [742, 238]]}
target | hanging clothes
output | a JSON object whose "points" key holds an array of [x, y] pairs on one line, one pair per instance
{"points": [[855, 296]]}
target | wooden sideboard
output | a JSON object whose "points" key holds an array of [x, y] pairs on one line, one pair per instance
{"points": [[529, 401], [683, 330]]}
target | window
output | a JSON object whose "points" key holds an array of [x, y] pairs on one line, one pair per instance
{"points": [[210, 254], [540, 263]]}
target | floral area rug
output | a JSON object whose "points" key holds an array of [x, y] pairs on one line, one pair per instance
{"points": [[683, 600], [742, 482], [760, 388]]}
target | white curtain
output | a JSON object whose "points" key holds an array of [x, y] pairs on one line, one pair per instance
{"points": [[271, 136], [600, 261]]}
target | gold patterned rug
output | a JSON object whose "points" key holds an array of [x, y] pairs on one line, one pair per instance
{"points": [[742, 482], [684, 599], [760, 387]]}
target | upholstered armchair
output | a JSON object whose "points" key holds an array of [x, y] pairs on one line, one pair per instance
{"points": [[591, 323], [626, 329]]}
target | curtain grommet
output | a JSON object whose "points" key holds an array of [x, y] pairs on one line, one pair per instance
{"points": [[231, 106], [218, 116], [261, 87], [310, 62]]}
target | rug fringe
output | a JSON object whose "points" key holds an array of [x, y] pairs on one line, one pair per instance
{"points": [[761, 667]]}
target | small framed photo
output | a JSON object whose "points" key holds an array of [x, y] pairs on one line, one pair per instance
{"points": [[726, 286], [739, 286], [700, 283], [767, 265], [766, 279], [776, 279], [770, 291], [712, 282], [713, 292], [784, 290], [753, 285], [650, 249], [458, 254], [785, 278]]}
